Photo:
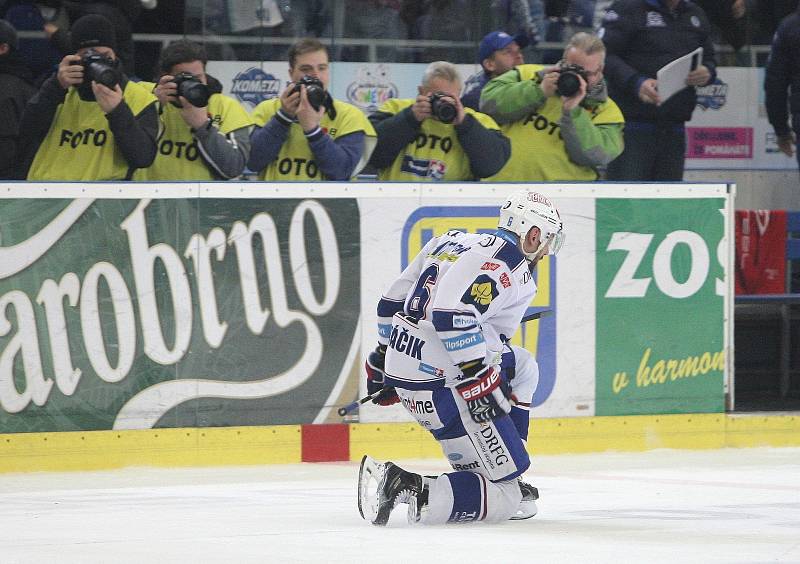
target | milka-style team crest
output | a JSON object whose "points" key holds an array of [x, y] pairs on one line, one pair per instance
{"points": [[712, 96], [372, 87], [253, 86]]}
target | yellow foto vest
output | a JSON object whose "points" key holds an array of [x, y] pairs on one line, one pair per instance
{"points": [[178, 156], [436, 153], [538, 152], [80, 145], [295, 160]]}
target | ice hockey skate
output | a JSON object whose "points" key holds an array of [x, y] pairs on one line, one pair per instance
{"points": [[382, 486], [527, 506]]}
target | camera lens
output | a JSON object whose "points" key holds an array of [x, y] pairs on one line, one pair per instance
{"points": [[195, 92], [443, 110], [103, 74], [568, 84]]}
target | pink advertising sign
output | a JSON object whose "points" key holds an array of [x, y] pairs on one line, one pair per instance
{"points": [[719, 142]]}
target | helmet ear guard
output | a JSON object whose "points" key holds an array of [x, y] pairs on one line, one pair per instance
{"points": [[524, 210]]}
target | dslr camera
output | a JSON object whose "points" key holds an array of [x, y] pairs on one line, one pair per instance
{"points": [[190, 87], [568, 83], [315, 91], [443, 110], [99, 68]]}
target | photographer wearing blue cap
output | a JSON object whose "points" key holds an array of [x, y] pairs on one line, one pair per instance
{"points": [[88, 121], [498, 52], [15, 89]]}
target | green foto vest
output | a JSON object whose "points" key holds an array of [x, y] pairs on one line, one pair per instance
{"points": [[295, 160], [178, 156], [537, 151], [436, 153], [80, 145]]}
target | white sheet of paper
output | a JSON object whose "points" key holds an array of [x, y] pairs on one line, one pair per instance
{"points": [[672, 76]]}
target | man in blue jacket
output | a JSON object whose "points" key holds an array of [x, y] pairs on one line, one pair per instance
{"points": [[641, 36], [782, 75]]}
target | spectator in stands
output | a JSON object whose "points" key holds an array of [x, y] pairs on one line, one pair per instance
{"points": [[121, 14], [642, 36], [80, 129], [561, 122], [206, 134], [433, 137], [379, 19], [783, 77], [497, 53], [449, 20], [769, 14], [15, 89], [728, 19], [305, 134], [525, 15]]}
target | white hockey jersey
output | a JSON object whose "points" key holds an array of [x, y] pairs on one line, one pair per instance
{"points": [[460, 299]]}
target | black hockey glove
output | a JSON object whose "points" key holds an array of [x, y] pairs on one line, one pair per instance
{"points": [[487, 395], [375, 377]]}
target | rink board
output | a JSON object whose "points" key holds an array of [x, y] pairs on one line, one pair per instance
{"points": [[286, 444], [173, 306]]}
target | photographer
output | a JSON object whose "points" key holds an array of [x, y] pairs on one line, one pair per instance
{"points": [[433, 137], [206, 134], [88, 121], [305, 134], [561, 122]]}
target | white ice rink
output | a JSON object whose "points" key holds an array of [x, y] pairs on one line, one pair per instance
{"points": [[733, 505]]}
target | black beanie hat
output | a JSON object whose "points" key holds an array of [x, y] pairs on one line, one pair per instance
{"points": [[8, 34], [93, 30]]}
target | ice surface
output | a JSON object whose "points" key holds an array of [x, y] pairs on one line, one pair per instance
{"points": [[731, 505]]}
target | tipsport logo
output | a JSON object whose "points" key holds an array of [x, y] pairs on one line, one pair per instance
{"points": [[713, 96], [539, 336], [371, 88], [253, 86]]}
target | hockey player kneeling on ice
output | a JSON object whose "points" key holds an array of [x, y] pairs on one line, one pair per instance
{"points": [[443, 351]]}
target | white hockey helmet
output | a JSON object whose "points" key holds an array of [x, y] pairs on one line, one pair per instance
{"points": [[525, 209]]}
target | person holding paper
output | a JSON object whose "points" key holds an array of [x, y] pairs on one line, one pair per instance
{"points": [[782, 84], [641, 37]]}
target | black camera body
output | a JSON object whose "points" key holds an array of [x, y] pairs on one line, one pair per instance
{"points": [[443, 110], [568, 83], [190, 87], [315, 90], [100, 69]]}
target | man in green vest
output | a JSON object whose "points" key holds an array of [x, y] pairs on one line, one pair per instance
{"points": [[434, 137], [561, 122], [206, 134], [88, 121]]}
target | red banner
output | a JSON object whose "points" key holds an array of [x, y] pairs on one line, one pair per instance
{"points": [[760, 251]]}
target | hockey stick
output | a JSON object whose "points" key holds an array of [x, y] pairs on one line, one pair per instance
{"points": [[351, 406], [537, 315], [342, 411]]}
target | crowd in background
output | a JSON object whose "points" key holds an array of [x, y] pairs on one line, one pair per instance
{"points": [[29, 63]]}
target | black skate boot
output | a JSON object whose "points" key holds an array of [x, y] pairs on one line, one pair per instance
{"points": [[527, 506], [394, 486]]}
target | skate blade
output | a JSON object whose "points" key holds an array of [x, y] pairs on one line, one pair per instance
{"points": [[369, 476], [526, 510]]}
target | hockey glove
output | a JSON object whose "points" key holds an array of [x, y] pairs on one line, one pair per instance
{"points": [[375, 378], [487, 395]]}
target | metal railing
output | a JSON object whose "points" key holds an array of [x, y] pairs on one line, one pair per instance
{"points": [[753, 54]]}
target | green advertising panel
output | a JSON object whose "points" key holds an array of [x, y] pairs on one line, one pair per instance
{"points": [[134, 314], [660, 287]]}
